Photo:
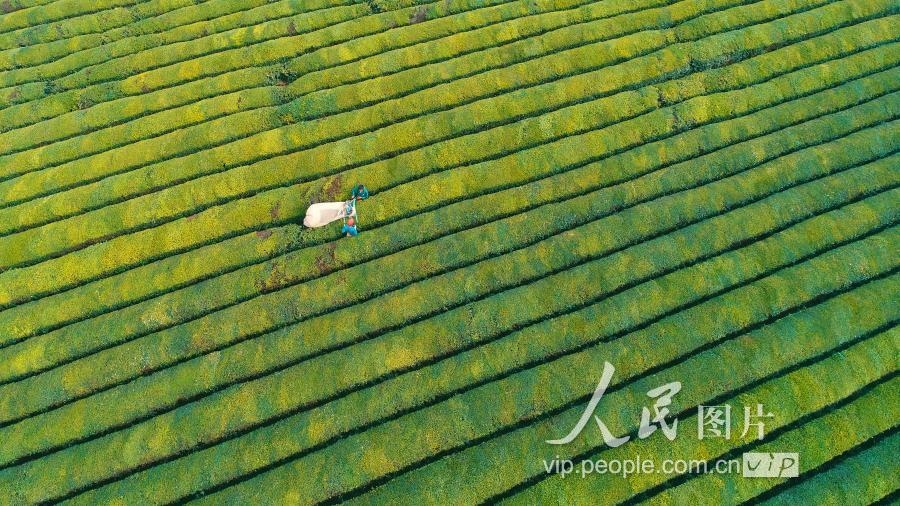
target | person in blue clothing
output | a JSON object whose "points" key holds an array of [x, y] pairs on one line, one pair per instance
{"points": [[349, 229], [359, 192]]}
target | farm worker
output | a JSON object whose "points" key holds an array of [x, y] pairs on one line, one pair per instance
{"points": [[359, 192], [349, 229]]}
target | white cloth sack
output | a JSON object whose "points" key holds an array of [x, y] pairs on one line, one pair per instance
{"points": [[323, 213]]}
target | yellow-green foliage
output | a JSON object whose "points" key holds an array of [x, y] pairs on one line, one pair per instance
{"points": [[182, 269], [454, 422], [173, 25], [25, 321], [587, 31], [717, 317], [800, 392], [248, 282], [190, 56], [839, 429], [38, 134], [589, 242], [534, 23], [694, 190], [763, 342], [842, 95], [24, 25], [596, 239], [107, 114], [355, 151], [866, 475], [114, 137], [53, 155], [266, 53], [133, 54]]}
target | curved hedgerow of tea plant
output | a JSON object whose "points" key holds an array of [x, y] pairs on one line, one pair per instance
{"points": [[46, 389], [44, 60], [237, 371], [63, 10], [459, 432], [672, 244], [63, 129], [81, 31], [865, 472], [356, 67], [19, 90], [349, 96], [465, 42], [772, 144], [45, 207], [19, 361], [270, 173], [447, 219], [259, 59], [285, 430], [847, 426], [112, 138], [833, 352], [695, 190], [749, 122], [24, 169], [59, 172], [78, 41], [850, 349], [326, 52], [736, 239], [24, 4], [161, 56], [71, 208]]}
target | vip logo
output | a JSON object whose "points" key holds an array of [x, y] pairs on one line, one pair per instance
{"points": [[771, 465]]}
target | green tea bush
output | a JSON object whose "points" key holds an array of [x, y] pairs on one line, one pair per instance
{"points": [[260, 57], [477, 39], [465, 48], [368, 84], [694, 190], [110, 114], [176, 144], [843, 428], [754, 123], [50, 60], [278, 169], [522, 397], [837, 188], [718, 317], [872, 247], [851, 365], [795, 107], [73, 17], [791, 407], [863, 475], [150, 279]]}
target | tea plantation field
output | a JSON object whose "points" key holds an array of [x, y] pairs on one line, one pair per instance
{"points": [[694, 191]]}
